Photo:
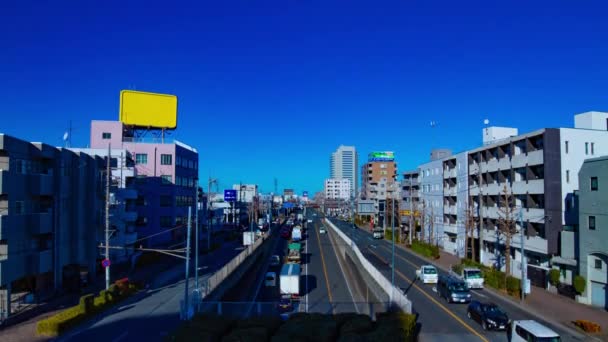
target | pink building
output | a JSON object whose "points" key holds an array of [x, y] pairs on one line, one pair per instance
{"points": [[166, 172]]}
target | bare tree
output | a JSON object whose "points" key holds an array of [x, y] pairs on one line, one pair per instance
{"points": [[470, 226], [422, 221], [506, 223], [432, 225]]}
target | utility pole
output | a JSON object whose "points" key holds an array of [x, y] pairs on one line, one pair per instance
{"points": [[393, 236], [523, 253], [210, 214], [108, 162], [187, 263], [411, 188], [196, 236]]}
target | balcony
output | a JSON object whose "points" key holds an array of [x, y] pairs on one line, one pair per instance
{"points": [[46, 184], [504, 163], [127, 193], [4, 182], [473, 169], [450, 228], [449, 173], [40, 223], [491, 165]]}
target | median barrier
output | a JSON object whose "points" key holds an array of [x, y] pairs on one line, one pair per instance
{"points": [[394, 293]]}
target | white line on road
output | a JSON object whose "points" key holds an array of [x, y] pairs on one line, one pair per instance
{"points": [[121, 337], [479, 294]]}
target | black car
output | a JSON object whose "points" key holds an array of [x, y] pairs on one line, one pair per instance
{"points": [[285, 305], [489, 315]]}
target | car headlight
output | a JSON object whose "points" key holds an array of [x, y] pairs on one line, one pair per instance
{"points": [[469, 295], [490, 321], [454, 295]]}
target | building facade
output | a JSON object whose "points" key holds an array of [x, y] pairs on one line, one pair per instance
{"points": [[337, 188], [431, 199], [50, 218], [343, 164], [166, 174], [593, 230], [245, 192], [379, 184]]}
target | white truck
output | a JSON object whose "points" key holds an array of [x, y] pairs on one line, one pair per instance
{"points": [[473, 277], [300, 217], [378, 233], [428, 274], [289, 281], [296, 234]]}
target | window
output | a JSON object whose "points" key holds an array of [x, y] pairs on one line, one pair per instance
{"points": [[166, 159], [592, 148], [106, 135], [166, 221], [566, 146], [591, 222], [141, 158], [593, 183], [140, 201], [586, 148], [166, 179], [383, 166], [165, 201], [567, 176], [19, 207], [598, 264]]}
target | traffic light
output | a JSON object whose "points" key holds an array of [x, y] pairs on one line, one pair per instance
{"points": [[199, 193]]}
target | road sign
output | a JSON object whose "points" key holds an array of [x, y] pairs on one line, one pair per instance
{"points": [[105, 263], [229, 195], [408, 213]]}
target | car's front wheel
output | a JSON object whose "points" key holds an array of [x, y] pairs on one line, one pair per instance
{"points": [[484, 325], [469, 314]]}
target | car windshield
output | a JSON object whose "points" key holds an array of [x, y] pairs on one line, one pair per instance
{"points": [[458, 287], [473, 274], [548, 339], [492, 309], [430, 270]]}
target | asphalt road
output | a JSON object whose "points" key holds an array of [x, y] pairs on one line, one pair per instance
{"points": [[323, 285], [439, 320], [152, 313]]}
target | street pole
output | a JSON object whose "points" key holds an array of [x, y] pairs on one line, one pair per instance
{"points": [[187, 263], [411, 212], [196, 237], [393, 235], [108, 161], [523, 259]]}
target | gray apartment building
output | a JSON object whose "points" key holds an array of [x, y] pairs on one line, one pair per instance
{"points": [[593, 230], [50, 214]]}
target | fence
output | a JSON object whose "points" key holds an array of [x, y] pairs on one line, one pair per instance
{"points": [[395, 293]]}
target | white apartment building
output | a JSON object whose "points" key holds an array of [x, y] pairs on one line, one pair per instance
{"points": [[338, 188], [245, 192], [343, 165], [540, 170]]}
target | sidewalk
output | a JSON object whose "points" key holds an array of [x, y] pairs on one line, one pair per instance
{"points": [[541, 303], [153, 275]]}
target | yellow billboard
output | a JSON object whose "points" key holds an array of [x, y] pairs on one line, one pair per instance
{"points": [[138, 108]]}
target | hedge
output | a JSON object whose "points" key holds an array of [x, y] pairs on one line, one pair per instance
{"points": [[588, 326], [579, 283], [88, 306], [425, 249], [299, 327], [388, 235], [513, 286], [554, 276]]}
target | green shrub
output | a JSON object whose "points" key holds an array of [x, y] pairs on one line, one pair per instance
{"points": [[554, 277], [425, 249], [457, 268], [272, 324], [513, 286], [579, 284], [86, 303], [388, 235], [252, 334], [494, 278], [359, 324]]}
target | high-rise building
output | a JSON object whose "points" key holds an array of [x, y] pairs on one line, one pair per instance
{"points": [[379, 176], [343, 164]]}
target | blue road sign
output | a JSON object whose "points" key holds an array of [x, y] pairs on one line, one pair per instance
{"points": [[105, 263], [229, 195]]}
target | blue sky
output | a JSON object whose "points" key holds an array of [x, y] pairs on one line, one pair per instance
{"points": [[270, 88]]}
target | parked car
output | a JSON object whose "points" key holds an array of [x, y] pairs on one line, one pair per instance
{"points": [[275, 260], [454, 290], [489, 315], [271, 279], [428, 274], [529, 330]]}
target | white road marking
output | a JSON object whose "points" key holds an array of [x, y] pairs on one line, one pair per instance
{"points": [[122, 336], [434, 288], [477, 293]]}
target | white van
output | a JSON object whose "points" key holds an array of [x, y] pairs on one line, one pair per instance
{"points": [[529, 330], [473, 277], [428, 274]]}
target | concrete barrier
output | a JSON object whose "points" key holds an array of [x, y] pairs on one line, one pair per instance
{"points": [[394, 293]]}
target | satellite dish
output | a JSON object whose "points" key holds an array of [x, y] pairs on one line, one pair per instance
{"points": [[65, 136], [486, 121]]}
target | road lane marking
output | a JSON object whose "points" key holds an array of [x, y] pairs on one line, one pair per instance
{"points": [[325, 272], [122, 336], [342, 269], [458, 319], [479, 294]]}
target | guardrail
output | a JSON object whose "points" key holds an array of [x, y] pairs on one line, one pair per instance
{"points": [[395, 293], [220, 275]]}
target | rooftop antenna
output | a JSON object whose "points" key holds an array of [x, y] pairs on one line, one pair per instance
{"points": [[65, 139]]}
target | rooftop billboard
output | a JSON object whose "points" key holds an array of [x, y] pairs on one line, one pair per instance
{"points": [[138, 108], [381, 156]]}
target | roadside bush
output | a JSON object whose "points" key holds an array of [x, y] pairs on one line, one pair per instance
{"points": [[513, 286], [388, 235], [359, 324], [494, 278], [579, 284], [397, 326], [86, 303], [425, 249], [554, 277], [252, 334], [473, 263], [457, 268], [588, 326]]}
